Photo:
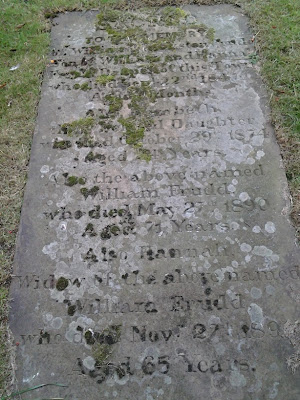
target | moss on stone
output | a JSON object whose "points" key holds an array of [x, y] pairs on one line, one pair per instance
{"points": [[130, 34], [89, 230], [105, 233], [103, 343], [104, 79], [86, 141], [140, 99], [75, 74], [210, 34], [143, 154], [101, 352], [82, 126], [152, 58], [151, 68], [163, 43], [115, 35], [133, 133], [71, 310], [107, 125], [108, 15], [90, 156], [170, 57], [81, 181], [62, 144], [93, 157], [115, 103], [74, 180], [201, 28], [90, 256], [85, 87], [89, 73], [62, 283], [128, 72], [71, 181], [95, 48], [89, 192], [88, 335], [141, 96], [115, 230], [172, 15], [94, 190]]}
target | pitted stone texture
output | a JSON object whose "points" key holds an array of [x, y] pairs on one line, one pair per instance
{"points": [[155, 257]]}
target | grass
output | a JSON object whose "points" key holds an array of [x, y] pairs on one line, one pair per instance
{"points": [[277, 41], [24, 41]]}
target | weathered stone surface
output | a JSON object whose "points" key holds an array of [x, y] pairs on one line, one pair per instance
{"points": [[155, 257]]}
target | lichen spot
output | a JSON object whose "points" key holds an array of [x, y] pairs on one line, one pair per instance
{"points": [[255, 293], [255, 313], [270, 227], [237, 379]]}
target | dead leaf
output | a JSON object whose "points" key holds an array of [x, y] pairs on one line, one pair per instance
{"points": [[2, 85], [20, 26]]}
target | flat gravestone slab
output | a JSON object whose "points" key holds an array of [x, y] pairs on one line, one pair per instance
{"points": [[155, 257]]}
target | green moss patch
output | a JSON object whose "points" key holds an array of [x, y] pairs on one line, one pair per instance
{"points": [[89, 192], [134, 134], [75, 74], [128, 72], [127, 28], [62, 283], [104, 79], [62, 144], [81, 126], [108, 15], [103, 343], [115, 103], [140, 97], [172, 16], [89, 73], [85, 86], [143, 154], [107, 125], [74, 180]]}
